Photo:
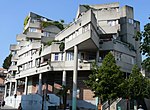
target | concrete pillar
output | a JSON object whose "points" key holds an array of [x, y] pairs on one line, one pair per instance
{"points": [[75, 71], [64, 78], [97, 56], [5, 90], [10, 88], [26, 85], [64, 71], [40, 84], [16, 83]]}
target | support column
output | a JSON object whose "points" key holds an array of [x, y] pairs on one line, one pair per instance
{"points": [[16, 83], [26, 85], [97, 56], [75, 71], [64, 78], [10, 88], [40, 84], [5, 90], [64, 71]]}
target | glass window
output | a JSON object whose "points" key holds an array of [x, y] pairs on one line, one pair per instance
{"points": [[111, 22], [56, 56], [33, 30], [46, 34], [62, 57], [70, 56], [130, 21]]}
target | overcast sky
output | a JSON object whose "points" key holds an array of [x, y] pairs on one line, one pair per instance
{"points": [[13, 13]]}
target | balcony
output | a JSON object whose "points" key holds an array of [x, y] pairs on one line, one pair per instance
{"points": [[77, 40], [14, 57], [35, 24], [14, 47], [23, 43], [13, 67], [50, 49], [126, 67], [28, 72], [24, 60], [34, 45], [36, 35], [61, 65], [117, 45], [110, 29], [20, 37]]}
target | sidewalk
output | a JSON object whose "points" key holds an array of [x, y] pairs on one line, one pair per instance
{"points": [[7, 108]]}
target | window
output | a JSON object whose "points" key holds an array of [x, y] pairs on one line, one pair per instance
{"points": [[112, 22], [46, 34], [56, 56], [70, 56], [135, 25], [62, 57], [33, 30], [85, 28], [130, 21]]}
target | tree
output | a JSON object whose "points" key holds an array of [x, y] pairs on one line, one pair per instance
{"points": [[145, 45], [7, 61], [106, 81], [138, 86]]}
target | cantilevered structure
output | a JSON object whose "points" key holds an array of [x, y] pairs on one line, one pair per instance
{"points": [[48, 56]]}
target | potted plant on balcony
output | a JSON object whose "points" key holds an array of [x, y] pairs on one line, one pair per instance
{"points": [[61, 46]]}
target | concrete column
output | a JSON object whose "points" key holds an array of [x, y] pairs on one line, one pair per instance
{"points": [[97, 56], [10, 88], [26, 86], [64, 71], [64, 78], [75, 72], [5, 90], [40, 84], [16, 83]]}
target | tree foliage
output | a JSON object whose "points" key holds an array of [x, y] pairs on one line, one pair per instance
{"points": [[7, 61], [45, 24], [106, 81], [138, 86], [145, 45]]}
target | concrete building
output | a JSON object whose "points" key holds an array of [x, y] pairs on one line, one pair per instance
{"points": [[47, 56]]}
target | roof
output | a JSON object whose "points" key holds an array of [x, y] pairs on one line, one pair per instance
{"points": [[2, 69]]}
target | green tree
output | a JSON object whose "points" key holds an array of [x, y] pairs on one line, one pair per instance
{"points": [[138, 86], [106, 81], [145, 45], [7, 61]]}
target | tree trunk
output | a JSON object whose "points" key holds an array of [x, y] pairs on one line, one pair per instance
{"points": [[127, 104], [108, 104], [99, 104]]}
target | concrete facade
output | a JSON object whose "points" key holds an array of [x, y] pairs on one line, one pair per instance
{"points": [[98, 29]]}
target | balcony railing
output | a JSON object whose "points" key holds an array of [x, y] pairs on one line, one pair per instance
{"points": [[20, 37], [37, 35], [14, 47], [14, 57]]}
